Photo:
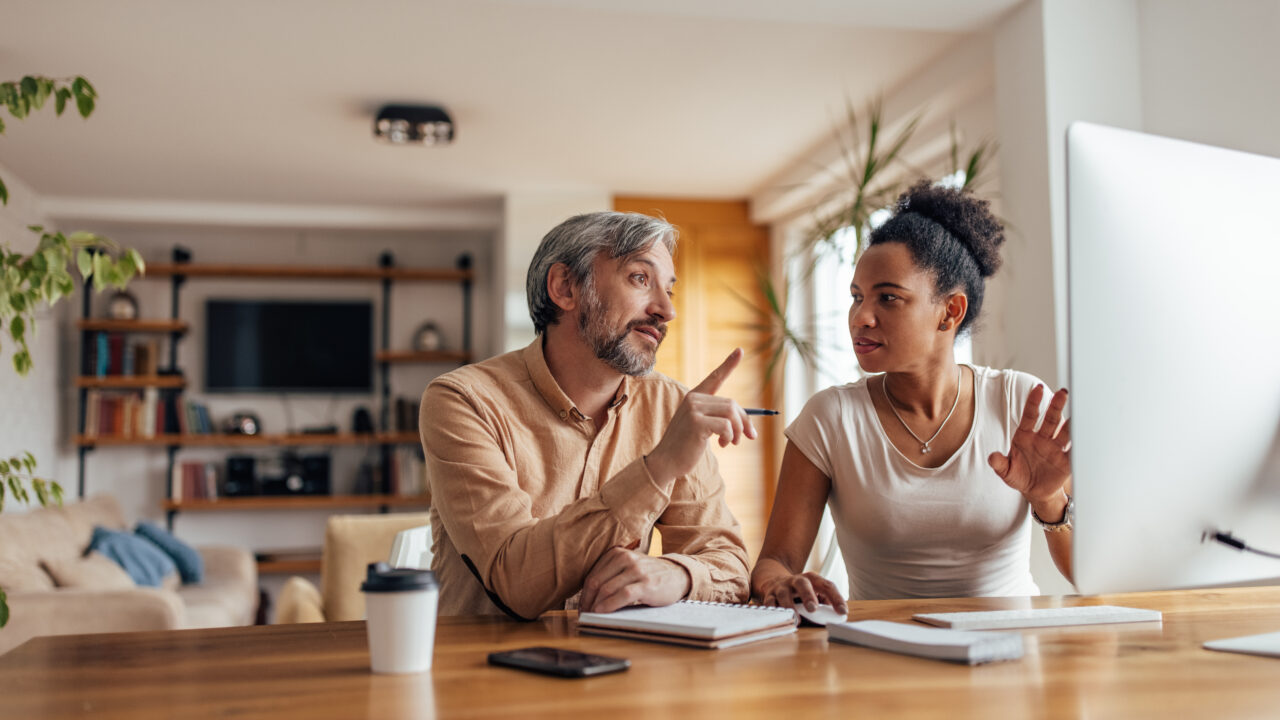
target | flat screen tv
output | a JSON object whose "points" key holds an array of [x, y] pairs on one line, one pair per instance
{"points": [[288, 346]]}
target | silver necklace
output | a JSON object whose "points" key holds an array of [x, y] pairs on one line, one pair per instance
{"points": [[924, 444]]}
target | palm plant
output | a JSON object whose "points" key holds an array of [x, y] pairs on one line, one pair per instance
{"points": [[862, 187], [842, 218]]}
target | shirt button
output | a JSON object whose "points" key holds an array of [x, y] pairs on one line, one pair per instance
{"points": [[563, 414]]}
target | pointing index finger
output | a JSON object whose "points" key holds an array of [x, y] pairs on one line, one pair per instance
{"points": [[712, 383]]}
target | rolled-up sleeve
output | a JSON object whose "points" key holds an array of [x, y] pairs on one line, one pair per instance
{"points": [[532, 564]]}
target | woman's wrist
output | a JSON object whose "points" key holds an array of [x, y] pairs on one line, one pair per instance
{"points": [[1051, 510]]}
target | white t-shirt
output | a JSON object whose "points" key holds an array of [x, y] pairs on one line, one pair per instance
{"points": [[908, 531]]}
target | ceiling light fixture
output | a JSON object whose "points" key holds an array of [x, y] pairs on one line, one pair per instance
{"points": [[404, 124]]}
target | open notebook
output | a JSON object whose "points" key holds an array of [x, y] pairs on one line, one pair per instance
{"points": [[693, 623]]}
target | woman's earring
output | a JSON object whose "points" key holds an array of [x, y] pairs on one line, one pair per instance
{"points": [[943, 326]]}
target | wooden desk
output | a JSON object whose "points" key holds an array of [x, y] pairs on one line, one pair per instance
{"points": [[322, 671]]}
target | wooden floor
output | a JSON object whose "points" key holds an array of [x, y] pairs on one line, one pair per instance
{"points": [[1148, 670]]}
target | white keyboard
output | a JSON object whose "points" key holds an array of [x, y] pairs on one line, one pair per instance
{"points": [[1038, 617]]}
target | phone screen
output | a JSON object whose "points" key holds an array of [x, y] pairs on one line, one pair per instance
{"points": [[555, 661]]}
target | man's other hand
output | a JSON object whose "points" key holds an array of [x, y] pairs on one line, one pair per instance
{"points": [[623, 577]]}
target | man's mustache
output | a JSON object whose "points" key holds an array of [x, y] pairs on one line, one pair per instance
{"points": [[661, 327]]}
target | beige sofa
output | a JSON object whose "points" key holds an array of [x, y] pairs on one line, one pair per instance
{"points": [[33, 542]]}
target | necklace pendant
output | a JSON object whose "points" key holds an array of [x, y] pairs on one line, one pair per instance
{"points": [[924, 449]]}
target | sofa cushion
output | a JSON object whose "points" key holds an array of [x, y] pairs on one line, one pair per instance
{"points": [[37, 535], [189, 563], [94, 571], [83, 516], [222, 601], [17, 574], [145, 563]]}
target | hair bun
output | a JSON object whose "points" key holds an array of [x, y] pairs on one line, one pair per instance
{"points": [[967, 217]]}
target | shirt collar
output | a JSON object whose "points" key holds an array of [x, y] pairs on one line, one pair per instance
{"points": [[536, 362]]}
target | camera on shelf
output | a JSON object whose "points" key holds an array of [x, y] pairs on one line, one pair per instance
{"points": [[286, 474]]}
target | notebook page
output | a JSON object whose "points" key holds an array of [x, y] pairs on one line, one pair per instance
{"points": [[694, 619]]}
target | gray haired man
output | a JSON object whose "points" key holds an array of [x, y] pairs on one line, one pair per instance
{"points": [[551, 466]]}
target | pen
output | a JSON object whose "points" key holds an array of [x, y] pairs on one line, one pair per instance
{"points": [[760, 411]]}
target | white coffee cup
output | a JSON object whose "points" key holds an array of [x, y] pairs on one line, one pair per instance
{"points": [[400, 607]]}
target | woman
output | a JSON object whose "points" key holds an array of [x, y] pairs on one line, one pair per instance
{"points": [[929, 467]]}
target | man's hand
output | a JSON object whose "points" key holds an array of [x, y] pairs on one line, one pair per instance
{"points": [[701, 414], [623, 577]]}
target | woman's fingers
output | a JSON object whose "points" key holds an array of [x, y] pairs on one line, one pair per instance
{"points": [[828, 593], [804, 593], [1000, 463], [1031, 410], [1064, 436], [1053, 416]]}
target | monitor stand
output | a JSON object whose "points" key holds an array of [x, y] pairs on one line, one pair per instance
{"points": [[1265, 644]]}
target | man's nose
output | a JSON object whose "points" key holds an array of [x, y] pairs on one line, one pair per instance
{"points": [[662, 307]]}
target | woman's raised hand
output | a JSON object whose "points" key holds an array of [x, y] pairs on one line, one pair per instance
{"points": [[1038, 463]]}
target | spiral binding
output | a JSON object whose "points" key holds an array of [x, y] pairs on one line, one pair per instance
{"points": [[736, 605]]}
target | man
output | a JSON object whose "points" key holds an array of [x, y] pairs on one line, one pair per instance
{"points": [[551, 465]]}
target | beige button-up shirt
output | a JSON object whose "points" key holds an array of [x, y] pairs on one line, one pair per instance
{"points": [[526, 490]]}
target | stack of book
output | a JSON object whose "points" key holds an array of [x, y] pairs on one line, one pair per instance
{"points": [[406, 415], [143, 414], [111, 353], [408, 472], [194, 480], [130, 414]]}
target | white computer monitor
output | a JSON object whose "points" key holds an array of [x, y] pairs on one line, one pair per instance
{"points": [[1174, 326]]}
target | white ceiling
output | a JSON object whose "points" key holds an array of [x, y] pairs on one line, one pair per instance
{"points": [[271, 101]]}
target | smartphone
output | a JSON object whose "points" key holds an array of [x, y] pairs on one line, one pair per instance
{"points": [[555, 661]]}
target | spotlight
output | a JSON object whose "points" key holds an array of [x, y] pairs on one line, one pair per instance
{"points": [[404, 124]]}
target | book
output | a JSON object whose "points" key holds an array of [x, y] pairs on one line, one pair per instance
{"points": [[693, 623], [964, 646]]}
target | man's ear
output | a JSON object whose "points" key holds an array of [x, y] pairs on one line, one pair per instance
{"points": [[561, 288], [953, 311]]}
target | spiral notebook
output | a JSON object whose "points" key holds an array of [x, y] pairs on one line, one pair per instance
{"points": [[693, 623]]}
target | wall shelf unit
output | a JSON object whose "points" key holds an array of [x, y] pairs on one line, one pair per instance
{"points": [[224, 440], [422, 356], [131, 382], [294, 502], [168, 380], [290, 566], [133, 326]]}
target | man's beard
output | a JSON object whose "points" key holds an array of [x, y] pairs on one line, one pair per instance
{"points": [[614, 350]]}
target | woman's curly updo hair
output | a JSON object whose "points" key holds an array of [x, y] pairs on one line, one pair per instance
{"points": [[950, 233]]}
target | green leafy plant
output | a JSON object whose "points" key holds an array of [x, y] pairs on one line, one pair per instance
{"points": [[30, 94], [864, 186], [43, 276]]}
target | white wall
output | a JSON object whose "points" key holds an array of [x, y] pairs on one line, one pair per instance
{"points": [[29, 408], [1209, 71], [528, 216]]}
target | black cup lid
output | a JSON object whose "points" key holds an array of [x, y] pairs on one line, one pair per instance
{"points": [[384, 578]]}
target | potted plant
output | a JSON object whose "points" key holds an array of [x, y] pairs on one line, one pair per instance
{"points": [[40, 277], [842, 218]]}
